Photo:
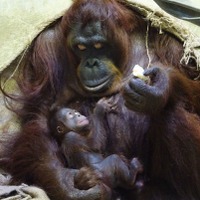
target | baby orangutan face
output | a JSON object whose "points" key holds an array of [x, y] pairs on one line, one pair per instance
{"points": [[70, 120]]}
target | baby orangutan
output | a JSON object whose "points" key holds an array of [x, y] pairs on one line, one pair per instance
{"points": [[72, 131]]}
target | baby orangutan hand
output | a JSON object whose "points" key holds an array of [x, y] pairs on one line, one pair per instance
{"points": [[87, 178]]}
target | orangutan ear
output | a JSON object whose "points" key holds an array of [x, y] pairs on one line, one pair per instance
{"points": [[60, 129]]}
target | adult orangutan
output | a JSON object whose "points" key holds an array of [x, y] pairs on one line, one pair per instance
{"points": [[88, 55]]}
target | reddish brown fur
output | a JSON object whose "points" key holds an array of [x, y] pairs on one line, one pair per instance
{"points": [[167, 143]]}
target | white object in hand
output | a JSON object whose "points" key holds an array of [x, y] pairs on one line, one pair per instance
{"points": [[138, 72]]}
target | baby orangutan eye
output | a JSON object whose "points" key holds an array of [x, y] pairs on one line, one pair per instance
{"points": [[70, 115]]}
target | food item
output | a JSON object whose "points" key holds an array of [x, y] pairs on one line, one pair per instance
{"points": [[138, 72]]}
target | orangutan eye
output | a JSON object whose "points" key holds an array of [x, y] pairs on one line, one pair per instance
{"points": [[98, 45], [81, 47], [77, 114], [70, 115]]}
